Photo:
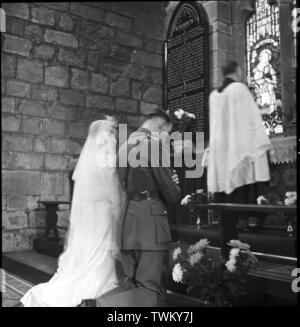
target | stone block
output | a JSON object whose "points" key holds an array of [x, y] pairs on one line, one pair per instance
{"points": [[32, 108], [7, 159], [71, 97], [153, 94], [14, 26], [63, 218], [65, 146], [34, 33], [136, 90], [61, 38], [16, 202], [221, 42], [120, 52], [28, 161], [57, 76], [99, 83], [16, 142], [14, 220], [80, 79], [128, 39], [51, 183], [42, 144], [58, 111], [78, 130], [7, 241], [44, 52], [44, 93], [56, 162], [153, 45], [87, 12], [23, 239], [30, 70], [8, 105], [99, 102], [156, 76], [31, 126], [21, 182], [42, 16], [66, 22], [37, 218], [61, 6], [93, 61], [18, 89], [148, 59], [17, 45], [120, 88], [32, 203], [135, 71], [10, 123], [146, 108], [8, 65], [120, 21], [54, 127], [71, 58], [150, 29], [20, 10], [126, 105]]}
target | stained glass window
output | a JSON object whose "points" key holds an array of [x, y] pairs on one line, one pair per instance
{"points": [[263, 63]]}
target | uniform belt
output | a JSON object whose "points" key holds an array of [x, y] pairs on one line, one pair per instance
{"points": [[142, 195]]}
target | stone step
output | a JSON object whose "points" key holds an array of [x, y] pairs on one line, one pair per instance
{"points": [[269, 284]]}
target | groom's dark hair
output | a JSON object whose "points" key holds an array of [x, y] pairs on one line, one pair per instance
{"points": [[160, 113]]}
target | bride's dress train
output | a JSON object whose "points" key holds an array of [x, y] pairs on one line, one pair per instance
{"points": [[86, 269]]}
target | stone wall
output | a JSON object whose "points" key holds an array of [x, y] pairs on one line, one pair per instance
{"points": [[63, 65]]}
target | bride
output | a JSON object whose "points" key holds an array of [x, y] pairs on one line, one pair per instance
{"points": [[86, 268]]}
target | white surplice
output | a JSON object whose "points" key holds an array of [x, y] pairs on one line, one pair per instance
{"points": [[238, 143]]}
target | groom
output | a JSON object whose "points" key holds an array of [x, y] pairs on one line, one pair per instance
{"points": [[144, 232]]}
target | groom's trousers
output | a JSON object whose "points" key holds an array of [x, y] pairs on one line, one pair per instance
{"points": [[145, 283]]}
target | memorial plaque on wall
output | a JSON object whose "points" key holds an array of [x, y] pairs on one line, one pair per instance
{"points": [[187, 85], [186, 65]]}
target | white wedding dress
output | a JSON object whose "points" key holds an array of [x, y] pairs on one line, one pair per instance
{"points": [[86, 269]]}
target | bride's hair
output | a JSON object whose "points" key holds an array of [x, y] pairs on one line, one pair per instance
{"points": [[108, 124]]}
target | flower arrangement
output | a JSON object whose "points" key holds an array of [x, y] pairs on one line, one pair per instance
{"points": [[290, 198], [207, 276], [182, 119]]}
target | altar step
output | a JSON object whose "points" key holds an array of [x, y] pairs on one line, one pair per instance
{"points": [[35, 268], [268, 285]]}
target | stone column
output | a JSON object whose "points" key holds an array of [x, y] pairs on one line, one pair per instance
{"points": [[286, 48], [219, 14]]}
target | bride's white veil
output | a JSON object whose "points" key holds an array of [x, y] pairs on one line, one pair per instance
{"points": [[96, 195]]}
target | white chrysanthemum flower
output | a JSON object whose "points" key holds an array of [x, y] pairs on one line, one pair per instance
{"points": [[190, 115], [238, 244], [186, 200], [287, 202], [234, 253], [179, 113], [177, 273], [196, 257], [176, 253], [230, 265], [202, 244], [261, 199]]}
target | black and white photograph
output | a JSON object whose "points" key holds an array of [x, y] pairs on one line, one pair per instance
{"points": [[149, 156]]}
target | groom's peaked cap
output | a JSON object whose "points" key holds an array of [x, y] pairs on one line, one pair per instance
{"points": [[160, 113]]}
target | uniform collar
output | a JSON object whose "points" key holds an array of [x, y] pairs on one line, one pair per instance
{"points": [[145, 130]]}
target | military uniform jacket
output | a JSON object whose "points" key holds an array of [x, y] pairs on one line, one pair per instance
{"points": [[144, 224]]}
